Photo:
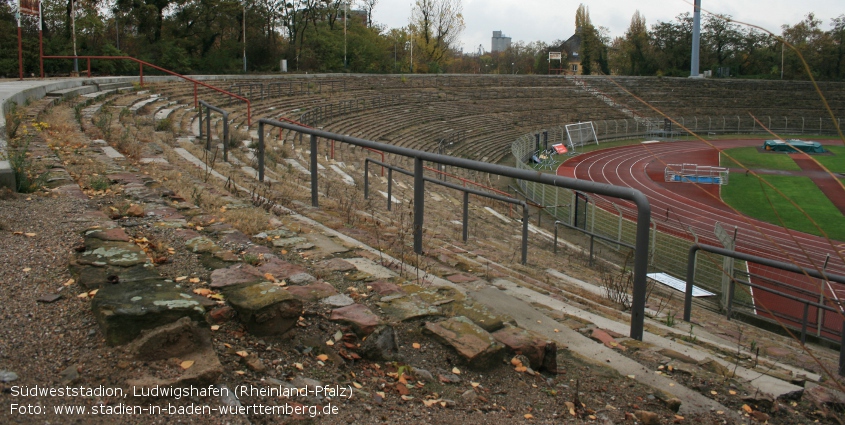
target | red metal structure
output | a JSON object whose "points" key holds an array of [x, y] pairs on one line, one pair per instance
{"points": [[142, 64]]}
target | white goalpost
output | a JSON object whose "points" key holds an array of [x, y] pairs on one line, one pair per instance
{"points": [[581, 134]]}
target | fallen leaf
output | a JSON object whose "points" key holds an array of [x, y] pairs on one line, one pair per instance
{"points": [[747, 408], [430, 403], [240, 372], [29, 235], [83, 295], [516, 362], [92, 293], [338, 336], [416, 345], [194, 280], [27, 269], [557, 330], [381, 394], [592, 417], [474, 384], [407, 398], [227, 345], [202, 291], [187, 364], [242, 353], [269, 277], [632, 376], [732, 392], [402, 389], [215, 327], [528, 416], [299, 366], [357, 385], [218, 297], [330, 343], [180, 278], [456, 371], [521, 369], [322, 357], [69, 282], [17, 233]]}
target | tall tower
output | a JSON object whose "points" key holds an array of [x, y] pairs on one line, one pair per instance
{"points": [[696, 39]]}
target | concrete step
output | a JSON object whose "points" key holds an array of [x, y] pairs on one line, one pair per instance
{"points": [[73, 91]]}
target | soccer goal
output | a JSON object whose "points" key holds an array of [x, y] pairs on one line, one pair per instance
{"points": [[581, 134]]}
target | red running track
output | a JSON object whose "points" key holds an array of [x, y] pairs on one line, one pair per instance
{"points": [[677, 205]]}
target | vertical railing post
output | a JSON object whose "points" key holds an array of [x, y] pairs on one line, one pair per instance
{"points": [[419, 204], [141, 73], [524, 233], [226, 137], [199, 115], [195, 95], [207, 128], [466, 217], [690, 281], [366, 178], [842, 352], [314, 194], [389, 189], [804, 323], [640, 266], [261, 152], [89, 67]]}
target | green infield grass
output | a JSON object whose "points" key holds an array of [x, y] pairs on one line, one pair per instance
{"points": [[746, 195], [749, 157]]}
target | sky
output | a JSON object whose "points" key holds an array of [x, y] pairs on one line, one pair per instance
{"points": [[548, 20]]}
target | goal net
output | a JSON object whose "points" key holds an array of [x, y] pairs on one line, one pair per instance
{"points": [[581, 134]]}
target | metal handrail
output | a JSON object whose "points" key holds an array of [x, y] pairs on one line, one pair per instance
{"points": [[208, 109], [141, 76], [770, 263], [466, 191], [635, 196]]}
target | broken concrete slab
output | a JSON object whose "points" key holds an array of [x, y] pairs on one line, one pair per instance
{"points": [[239, 274], [124, 310], [358, 316], [368, 266], [111, 253], [264, 308], [474, 344], [521, 341], [312, 292], [407, 308]]}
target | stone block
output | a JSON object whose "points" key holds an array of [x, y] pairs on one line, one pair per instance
{"points": [[264, 308]]}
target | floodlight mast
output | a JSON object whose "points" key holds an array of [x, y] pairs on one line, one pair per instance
{"points": [[696, 39]]}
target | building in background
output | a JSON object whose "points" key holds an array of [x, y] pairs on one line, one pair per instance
{"points": [[500, 42]]}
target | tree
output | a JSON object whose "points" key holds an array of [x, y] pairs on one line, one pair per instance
{"points": [[593, 42], [636, 49], [369, 5], [436, 25], [720, 38]]}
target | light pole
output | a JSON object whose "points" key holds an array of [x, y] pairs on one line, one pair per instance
{"points": [[243, 24], [73, 29], [345, 9], [696, 39]]}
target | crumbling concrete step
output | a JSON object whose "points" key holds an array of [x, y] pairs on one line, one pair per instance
{"points": [[98, 94], [138, 105], [73, 91], [114, 86]]}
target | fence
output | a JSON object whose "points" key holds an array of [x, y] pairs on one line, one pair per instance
{"points": [[608, 130], [615, 221], [781, 296], [643, 209]]}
